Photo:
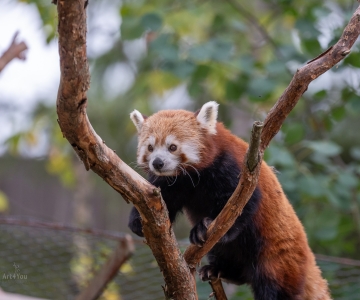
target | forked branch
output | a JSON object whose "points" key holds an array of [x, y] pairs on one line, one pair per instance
{"points": [[75, 126]]}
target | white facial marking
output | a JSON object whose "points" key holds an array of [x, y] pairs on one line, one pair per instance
{"points": [[208, 116], [141, 153], [137, 119], [144, 148], [170, 161], [170, 139], [151, 141], [191, 152]]}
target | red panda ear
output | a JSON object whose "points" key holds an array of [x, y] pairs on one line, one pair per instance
{"points": [[138, 119], [207, 116]]}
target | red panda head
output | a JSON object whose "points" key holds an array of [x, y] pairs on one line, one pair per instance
{"points": [[172, 140]]}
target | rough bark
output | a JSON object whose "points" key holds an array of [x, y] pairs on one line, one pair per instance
{"points": [[15, 50], [235, 204], [75, 126]]}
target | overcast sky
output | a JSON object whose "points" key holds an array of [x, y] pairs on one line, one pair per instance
{"points": [[23, 83]]}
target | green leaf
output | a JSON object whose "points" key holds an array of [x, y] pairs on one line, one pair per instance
{"points": [[327, 223], [312, 186], [294, 133], [260, 87], [338, 113], [215, 49], [244, 64], [200, 53], [4, 202], [160, 81], [276, 67], [325, 148], [151, 21], [165, 48], [131, 28], [201, 72], [221, 50], [348, 180], [320, 95], [278, 156], [219, 23], [355, 152], [353, 59], [354, 103], [333, 199], [233, 90], [181, 69], [306, 29], [312, 46]]}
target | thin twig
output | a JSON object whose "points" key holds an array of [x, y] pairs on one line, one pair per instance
{"points": [[15, 50], [218, 289], [108, 271]]}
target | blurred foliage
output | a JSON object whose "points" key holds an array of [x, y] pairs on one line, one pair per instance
{"points": [[243, 55], [4, 203]]}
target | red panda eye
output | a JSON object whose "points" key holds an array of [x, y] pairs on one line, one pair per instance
{"points": [[172, 148], [150, 148]]}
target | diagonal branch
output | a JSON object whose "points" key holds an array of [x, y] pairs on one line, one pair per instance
{"points": [[75, 126], [272, 125], [109, 270], [235, 204], [15, 50]]}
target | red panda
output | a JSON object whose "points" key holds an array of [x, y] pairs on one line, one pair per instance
{"points": [[196, 162]]}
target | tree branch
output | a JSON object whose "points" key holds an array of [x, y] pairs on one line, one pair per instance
{"points": [[218, 289], [15, 50], [235, 204], [75, 126], [272, 125], [305, 75], [108, 271]]}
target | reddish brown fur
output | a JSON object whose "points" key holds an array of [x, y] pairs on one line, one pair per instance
{"points": [[280, 227], [285, 242]]}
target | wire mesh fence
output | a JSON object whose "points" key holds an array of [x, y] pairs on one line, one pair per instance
{"points": [[56, 262]]}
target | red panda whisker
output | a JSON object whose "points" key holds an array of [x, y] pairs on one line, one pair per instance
{"points": [[182, 169], [193, 168], [189, 173], [190, 178], [174, 180]]}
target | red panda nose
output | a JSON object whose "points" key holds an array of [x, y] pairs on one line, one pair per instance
{"points": [[158, 163]]}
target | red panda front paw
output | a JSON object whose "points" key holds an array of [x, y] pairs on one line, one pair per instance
{"points": [[209, 272], [198, 233], [136, 226]]}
